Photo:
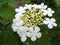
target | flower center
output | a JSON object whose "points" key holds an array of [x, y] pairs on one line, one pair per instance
{"points": [[33, 17]]}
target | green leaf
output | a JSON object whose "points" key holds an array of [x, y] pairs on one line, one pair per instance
{"points": [[7, 37], [7, 1], [6, 14], [25, 1]]}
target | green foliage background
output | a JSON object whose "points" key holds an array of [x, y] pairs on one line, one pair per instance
{"points": [[7, 13]]}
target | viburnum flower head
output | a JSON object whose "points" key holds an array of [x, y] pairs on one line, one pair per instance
{"points": [[28, 18]]}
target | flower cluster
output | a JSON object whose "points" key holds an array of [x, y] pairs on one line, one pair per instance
{"points": [[28, 19]]}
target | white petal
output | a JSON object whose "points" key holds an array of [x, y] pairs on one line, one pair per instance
{"points": [[20, 23], [42, 4], [23, 38], [33, 38], [23, 11], [25, 8], [16, 23], [15, 20], [26, 5], [47, 19], [49, 14], [17, 10], [45, 12], [19, 31], [39, 35], [35, 6], [31, 29], [53, 12], [49, 9], [50, 26], [45, 22], [54, 24], [29, 6], [28, 34], [18, 15], [45, 6], [53, 20], [24, 28], [20, 7], [14, 27], [37, 29]]}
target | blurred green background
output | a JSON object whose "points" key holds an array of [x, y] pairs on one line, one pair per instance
{"points": [[7, 13]]}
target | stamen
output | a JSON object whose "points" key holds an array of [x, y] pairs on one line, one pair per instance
{"points": [[33, 17]]}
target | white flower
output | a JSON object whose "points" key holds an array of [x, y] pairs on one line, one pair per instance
{"points": [[48, 12], [22, 32], [14, 27], [20, 9], [16, 24], [35, 6], [42, 6], [28, 6], [17, 10], [18, 15], [50, 22], [19, 23], [34, 33]]}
